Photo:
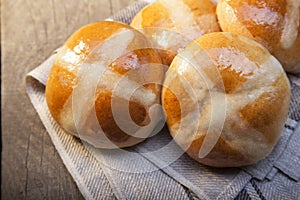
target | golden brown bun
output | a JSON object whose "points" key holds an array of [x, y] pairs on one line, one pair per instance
{"points": [[234, 88], [273, 23], [80, 53], [175, 23]]}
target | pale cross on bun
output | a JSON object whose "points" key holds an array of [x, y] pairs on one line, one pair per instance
{"points": [[273, 23], [102, 68], [171, 24], [230, 89]]}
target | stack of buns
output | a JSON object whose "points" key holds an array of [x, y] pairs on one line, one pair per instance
{"points": [[225, 96]]}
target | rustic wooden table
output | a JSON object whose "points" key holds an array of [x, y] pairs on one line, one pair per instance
{"points": [[30, 32]]}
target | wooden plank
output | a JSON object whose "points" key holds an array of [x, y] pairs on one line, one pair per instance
{"points": [[30, 32]]}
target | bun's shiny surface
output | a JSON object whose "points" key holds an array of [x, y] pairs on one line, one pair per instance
{"points": [[273, 23], [122, 55], [171, 24], [230, 88]]}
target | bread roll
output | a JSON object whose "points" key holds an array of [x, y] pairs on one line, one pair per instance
{"points": [[102, 84], [226, 100], [273, 23], [171, 24]]}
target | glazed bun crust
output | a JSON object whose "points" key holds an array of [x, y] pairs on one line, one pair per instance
{"points": [[79, 51], [272, 23], [188, 18], [290, 58], [239, 72], [158, 14]]}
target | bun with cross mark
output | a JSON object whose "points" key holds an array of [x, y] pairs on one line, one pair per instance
{"points": [[102, 85], [226, 99], [272, 23], [171, 24]]}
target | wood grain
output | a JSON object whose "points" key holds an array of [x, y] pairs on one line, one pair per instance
{"points": [[30, 32]]}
